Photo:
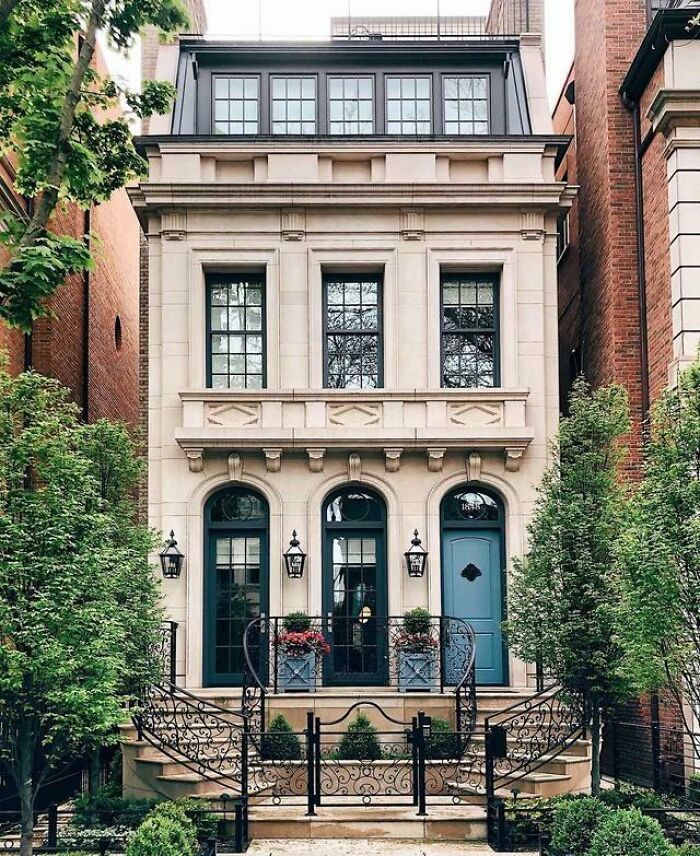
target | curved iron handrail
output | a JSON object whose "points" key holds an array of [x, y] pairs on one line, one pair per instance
{"points": [[195, 733], [535, 730], [357, 704], [255, 689]]}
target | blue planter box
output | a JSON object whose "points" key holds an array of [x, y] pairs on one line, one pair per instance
{"points": [[416, 672], [297, 674]]}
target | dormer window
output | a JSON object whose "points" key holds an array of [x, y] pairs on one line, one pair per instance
{"points": [[408, 105], [466, 105], [293, 105], [236, 102]]}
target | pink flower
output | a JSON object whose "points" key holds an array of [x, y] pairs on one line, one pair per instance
{"points": [[300, 643]]}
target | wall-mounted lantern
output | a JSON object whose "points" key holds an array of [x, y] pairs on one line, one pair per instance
{"points": [[416, 557], [294, 558], [171, 559]]}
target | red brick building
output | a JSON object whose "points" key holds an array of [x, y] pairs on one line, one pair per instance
{"points": [[629, 271], [91, 342]]}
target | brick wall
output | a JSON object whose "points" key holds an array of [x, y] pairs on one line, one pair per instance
{"points": [[58, 343], [608, 33]]}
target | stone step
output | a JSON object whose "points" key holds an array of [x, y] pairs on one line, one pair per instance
{"points": [[443, 822]]}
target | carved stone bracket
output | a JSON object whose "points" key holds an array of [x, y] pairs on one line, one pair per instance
{"points": [[293, 224], [354, 467], [474, 466], [195, 460], [235, 467], [316, 457], [435, 459], [513, 458], [532, 226], [412, 224], [392, 460], [173, 225], [273, 460]]}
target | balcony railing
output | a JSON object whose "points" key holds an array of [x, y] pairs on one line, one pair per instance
{"points": [[654, 6]]}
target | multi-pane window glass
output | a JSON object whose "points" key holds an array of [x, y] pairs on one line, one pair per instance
{"points": [[293, 105], [236, 332], [237, 598], [466, 105], [408, 105], [350, 105], [236, 105], [469, 331], [352, 332]]}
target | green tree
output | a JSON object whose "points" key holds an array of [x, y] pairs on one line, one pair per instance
{"points": [[661, 549], [565, 596], [58, 116], [79, 604]]}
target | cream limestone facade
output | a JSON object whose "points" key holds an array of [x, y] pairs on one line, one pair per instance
{"points": [[292, 210]]}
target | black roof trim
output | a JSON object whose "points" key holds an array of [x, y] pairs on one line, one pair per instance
{"points": [[477, 44], [667, 25]]}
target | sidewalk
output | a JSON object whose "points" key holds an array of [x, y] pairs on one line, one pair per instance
{"points": [[359, 847]]}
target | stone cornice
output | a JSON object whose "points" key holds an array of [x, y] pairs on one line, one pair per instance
{"points": [[152, 197], [671, 107]]}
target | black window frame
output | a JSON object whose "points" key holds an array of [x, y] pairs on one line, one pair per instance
{"points": [[416, 75], [332, 76], [237, 76], [216, 279], [356, 276], [485, 75], [271, 100], [493, 279]]}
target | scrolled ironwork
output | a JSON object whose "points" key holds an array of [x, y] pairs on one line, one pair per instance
{"points": [[205, 738]]}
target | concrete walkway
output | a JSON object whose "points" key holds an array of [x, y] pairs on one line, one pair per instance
{"points": [[359, 847]]}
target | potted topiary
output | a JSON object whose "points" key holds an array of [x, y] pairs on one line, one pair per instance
{"points": [[416, 649], [298, 648], [280, 743]]}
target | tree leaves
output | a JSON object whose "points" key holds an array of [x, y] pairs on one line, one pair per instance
{"points": [[57, 116]]}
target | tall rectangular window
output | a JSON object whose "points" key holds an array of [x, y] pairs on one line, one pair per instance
{"points": [[466, 105], [351, 105], [236, 105], [469, 328], [236, 331], [293, 105], [352, 331], [408, 105]]}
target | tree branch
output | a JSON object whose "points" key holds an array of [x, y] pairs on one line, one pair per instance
{"points": [[7, 7], [48, 198]]}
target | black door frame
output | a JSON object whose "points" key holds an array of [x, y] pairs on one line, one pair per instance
{"points": [[466, 524], [256, 528], [348, 529]]}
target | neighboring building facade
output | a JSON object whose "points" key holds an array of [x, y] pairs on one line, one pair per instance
{"points": [[629, 289], [90, 342], [352, 334]]}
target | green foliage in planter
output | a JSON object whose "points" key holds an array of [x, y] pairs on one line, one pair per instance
{"points": [[360, 741], [417, 621], [444, 743], [297, 622], [281, 743], [629, 833], [94, 811], [205, 822], [631, 797], [94, 839], [573, 824], [167, 831]]}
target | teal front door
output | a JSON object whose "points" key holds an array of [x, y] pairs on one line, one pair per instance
{"points": [[472, 564]]}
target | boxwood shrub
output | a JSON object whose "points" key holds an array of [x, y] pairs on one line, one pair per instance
{"points": [[629, 833], [166, 831], [573, 825]]}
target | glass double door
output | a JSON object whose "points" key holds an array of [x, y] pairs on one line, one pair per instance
{"points": [[355, 604]]}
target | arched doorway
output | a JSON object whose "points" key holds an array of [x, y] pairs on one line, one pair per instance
{"points": [[355, 597], [236, 579], [473, 551]]}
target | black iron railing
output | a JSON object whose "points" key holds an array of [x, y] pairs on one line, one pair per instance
{"points": [[363, 651]]}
